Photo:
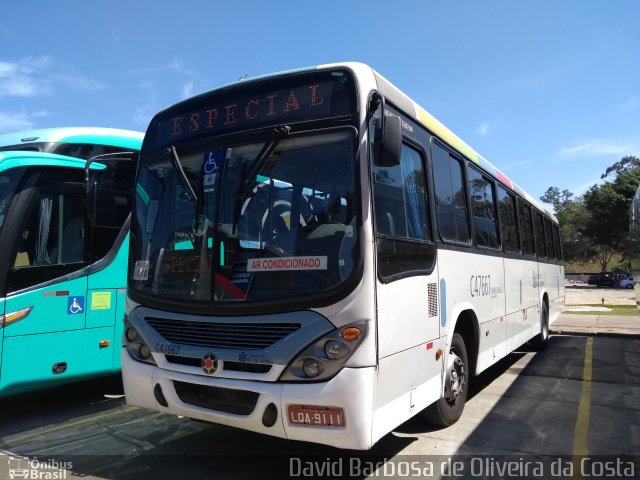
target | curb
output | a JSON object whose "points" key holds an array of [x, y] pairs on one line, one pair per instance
{"points": [[570, 331]]}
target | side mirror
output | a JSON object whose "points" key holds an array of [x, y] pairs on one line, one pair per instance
{"points": [[390, 142]]}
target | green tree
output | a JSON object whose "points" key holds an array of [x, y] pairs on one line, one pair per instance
{"points": [[596, 224], [555, 197], [576, 244], [608, 205]]}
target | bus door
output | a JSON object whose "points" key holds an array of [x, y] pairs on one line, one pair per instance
{"points": [[407, 282], [46, 291], [109, 202]]}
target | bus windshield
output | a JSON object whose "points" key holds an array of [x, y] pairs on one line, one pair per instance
{"points": [[247, 222]]}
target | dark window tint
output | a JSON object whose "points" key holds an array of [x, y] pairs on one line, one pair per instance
{"points": [[401, 217], [526, 228], [8, 183], [51, 240], [556, 242], [401, 198], [451, 204], [539, 234], [483, 209], [508, 224], [111, 196], [548, 239], [85, 150]]}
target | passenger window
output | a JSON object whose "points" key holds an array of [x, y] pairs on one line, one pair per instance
{"points": [[548, 239], [51, 240], [451, 203], [111, 196], [556, 242], [508, 224], [526, 228], [401, 198], [85, 150], [483, 209], [402, 225], [539, 234], [53, 233]]}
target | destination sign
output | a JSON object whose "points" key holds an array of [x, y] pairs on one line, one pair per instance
{"points": [[219, 113]]}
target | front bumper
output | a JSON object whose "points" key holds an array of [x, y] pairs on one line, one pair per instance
{"points": [[351, 389]]}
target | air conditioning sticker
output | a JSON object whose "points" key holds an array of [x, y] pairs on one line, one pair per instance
{"points": [[286, 263]]}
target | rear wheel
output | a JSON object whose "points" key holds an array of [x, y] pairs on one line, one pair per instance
{"points": [[448, 409], [541, 341]]}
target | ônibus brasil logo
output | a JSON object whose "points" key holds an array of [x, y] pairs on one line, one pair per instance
{"points": [[32, 468]]}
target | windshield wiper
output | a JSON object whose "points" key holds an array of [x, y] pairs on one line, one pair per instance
{"points": [[246, 181], [182, 176], [280, 132]]}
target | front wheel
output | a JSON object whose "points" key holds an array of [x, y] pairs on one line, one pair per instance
{"points": [[448, 409]]}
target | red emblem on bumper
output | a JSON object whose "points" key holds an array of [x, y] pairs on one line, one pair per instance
{"points": [[209, 364]]}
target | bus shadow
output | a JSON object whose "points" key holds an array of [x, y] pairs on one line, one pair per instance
{"points": [[37, 409], [153, 445]]}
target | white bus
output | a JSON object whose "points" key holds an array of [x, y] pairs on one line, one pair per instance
{"points": [[315, 257]]}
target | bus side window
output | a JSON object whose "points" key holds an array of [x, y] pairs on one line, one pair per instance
{"points": [[403, 235], [400, 197], [113, 199], [539, 234], [556, 242], [53, 233], [548, 239], [51, 239], [508, 223], [483, 206], [451, 203], [526, 228]]}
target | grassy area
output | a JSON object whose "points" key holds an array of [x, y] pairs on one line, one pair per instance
{"points": [[615, 310]]}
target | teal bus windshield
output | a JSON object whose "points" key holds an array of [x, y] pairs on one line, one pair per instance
{"points": [[64, 239]]}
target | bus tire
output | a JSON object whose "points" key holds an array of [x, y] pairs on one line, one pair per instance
{"points": [[541, 340], [448, 409]]}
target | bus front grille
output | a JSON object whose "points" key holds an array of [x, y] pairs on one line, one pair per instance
{"points": [[237, 402], [226, 365], [245, 336]]}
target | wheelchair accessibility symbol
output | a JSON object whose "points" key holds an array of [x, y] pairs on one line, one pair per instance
{"points": [[75, 305], [211, 162]]}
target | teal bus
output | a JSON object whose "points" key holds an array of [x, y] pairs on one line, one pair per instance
{"points": [[63, 250]]}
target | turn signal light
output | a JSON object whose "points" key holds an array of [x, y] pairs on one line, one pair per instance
{"points": [[351, 333], [13, 317]]}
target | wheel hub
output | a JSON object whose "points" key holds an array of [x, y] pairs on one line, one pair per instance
{"points": [[455, 379]]}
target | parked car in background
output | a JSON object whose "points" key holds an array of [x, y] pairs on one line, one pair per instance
{"points": [[627, 282], [593, 279], [606, 280]]}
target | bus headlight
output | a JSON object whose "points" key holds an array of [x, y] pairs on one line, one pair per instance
{"points": [[325, 357], [311, 368], [136, 347], [333, 349]]}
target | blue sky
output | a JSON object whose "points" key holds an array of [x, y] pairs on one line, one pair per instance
{"points": [[547, 90]]}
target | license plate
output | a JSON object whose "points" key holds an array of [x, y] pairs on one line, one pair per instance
{"points": [[316, 416]]}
